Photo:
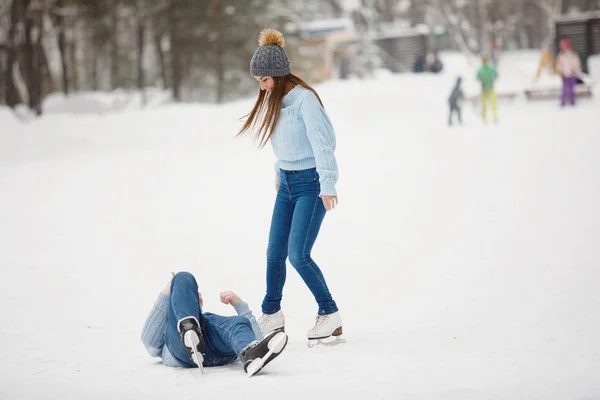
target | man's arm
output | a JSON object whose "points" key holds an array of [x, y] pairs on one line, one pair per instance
{"points": [[242, 309]]}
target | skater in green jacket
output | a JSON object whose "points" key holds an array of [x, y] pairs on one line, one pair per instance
{"points": [[487, 75]]}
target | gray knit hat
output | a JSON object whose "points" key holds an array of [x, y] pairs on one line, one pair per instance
{"points": [[270, 59]]}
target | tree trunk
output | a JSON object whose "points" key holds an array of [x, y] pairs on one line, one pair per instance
{"points": [[161, 59], [484, 45], [42, 73], [62, 47], [2, 72], [114, 46], [141, 79], [31, 60], [12, 97], [175, 54], [95, 79], [47, 82], [524, 38], [218, 49], [72, 57]]}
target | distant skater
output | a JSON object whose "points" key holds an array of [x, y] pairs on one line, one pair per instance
{"points": [[487, 75], [455, 100], [568, 66]]}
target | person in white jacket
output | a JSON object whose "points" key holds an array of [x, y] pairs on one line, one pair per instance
{"points": [[568, 66]]}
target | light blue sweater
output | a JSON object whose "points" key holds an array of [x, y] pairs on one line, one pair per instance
{"points": [[153, 333], [304, 138]]}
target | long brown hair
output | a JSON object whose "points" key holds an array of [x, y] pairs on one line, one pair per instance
{"points": [[265, 114]]}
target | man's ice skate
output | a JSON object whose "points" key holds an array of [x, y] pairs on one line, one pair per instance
{"points": [[272, 322], [260, 352], [193, 340], [327, 331]]}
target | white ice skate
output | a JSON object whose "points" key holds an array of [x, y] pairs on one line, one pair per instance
{"points": [[261, 352], [272, 322], [191, 340], [327, 330]]}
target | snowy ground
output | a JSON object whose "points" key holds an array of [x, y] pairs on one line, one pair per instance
{"points": [[464, 260]]}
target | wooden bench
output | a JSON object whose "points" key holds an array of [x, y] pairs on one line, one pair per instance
{"points": [[581, 91], [510, 96]]}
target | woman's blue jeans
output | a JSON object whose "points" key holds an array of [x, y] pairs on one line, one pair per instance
{"points": [[297, 218]]}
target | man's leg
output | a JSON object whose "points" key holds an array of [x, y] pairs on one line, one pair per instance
{"points": [[459, 112], [229, 334], [183, 303], [233, 337]]}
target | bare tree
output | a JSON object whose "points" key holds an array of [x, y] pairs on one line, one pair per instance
{"points": [[158, 38], [460, 28], [175, 52], [12, 97], [552, 9], [114, 44], [59, 18], [216, 36], [30, 61], [141, 78]]}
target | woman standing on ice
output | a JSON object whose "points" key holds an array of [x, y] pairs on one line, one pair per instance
{"points": [[290, 114]]}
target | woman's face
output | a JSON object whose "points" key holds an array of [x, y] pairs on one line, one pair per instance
{"points": [[266, 83]]}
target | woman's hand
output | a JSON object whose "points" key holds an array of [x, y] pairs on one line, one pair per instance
{"points": [[167, 289], [228, 297], [329, 202]]}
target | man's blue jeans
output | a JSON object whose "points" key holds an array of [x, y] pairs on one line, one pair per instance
{"points": [[225, 337], [297, 218]]}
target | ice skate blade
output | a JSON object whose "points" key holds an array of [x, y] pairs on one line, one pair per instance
{"points": [[191, 340], [275, 345], [336, 332], [282, 329], [328, 342], [198, 359]]}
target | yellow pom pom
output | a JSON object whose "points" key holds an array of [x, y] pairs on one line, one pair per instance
{"points": [[270, 37]]}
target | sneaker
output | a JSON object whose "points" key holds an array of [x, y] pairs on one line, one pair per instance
{"points": [[261, 352], [193, 339], [326, 326], [272, 322]]}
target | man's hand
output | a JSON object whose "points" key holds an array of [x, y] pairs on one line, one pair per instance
{"points": [[329, 202], [228, 297], [277, 187], [167, 289]]}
